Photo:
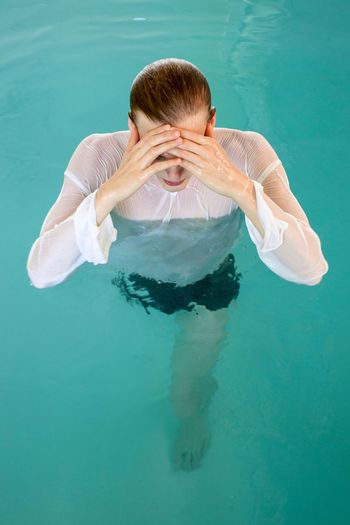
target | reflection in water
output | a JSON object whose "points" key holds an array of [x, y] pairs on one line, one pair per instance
{"points": [[253, 37]]}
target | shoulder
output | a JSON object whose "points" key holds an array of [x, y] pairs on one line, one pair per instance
{"points": [[247, 137], [262, 158], [102, 141], [224, 134], [237, 140], [107, 147], [95, 159], [257, 140], [257, 145]]}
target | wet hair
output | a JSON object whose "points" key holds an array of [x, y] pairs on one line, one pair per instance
{"points": [[168, 90]]}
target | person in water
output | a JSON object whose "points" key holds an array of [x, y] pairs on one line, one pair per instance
{"points": [[173, 163], [173, 167]]}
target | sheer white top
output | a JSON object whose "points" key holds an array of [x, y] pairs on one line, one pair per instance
{"points": [[153, 241]]}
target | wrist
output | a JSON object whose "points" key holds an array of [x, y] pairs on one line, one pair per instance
{"points": [[241, 188], [106, 195]]}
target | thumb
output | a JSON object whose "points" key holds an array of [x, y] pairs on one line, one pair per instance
{"points": [[134, 135]]}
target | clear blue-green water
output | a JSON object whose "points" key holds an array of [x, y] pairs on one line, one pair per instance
{"points": [[87, 427]]}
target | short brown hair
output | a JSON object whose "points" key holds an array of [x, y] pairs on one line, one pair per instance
{"points": [[168, 90]]}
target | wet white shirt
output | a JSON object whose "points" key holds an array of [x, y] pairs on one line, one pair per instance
{"points": [[173, 236]]}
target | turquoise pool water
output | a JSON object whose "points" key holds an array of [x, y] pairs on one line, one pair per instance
{"points": [[87, 428]]}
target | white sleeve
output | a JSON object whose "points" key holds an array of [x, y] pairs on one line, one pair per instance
{"points": [[93, 241], [289, 247], [69, 235]]}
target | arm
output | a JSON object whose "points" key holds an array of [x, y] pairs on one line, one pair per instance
{"points": [[70, 234], [275, 221]]}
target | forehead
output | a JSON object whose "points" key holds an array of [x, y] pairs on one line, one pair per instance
{"points": [[192, 122]]}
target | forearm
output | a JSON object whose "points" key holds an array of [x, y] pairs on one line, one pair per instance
{"points": [[106, 199], [247, 201], [288, 246], [54, 255], [67, 245], [243, 193]]}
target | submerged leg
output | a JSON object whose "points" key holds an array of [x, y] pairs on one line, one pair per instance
{"points": [[196, 350]]}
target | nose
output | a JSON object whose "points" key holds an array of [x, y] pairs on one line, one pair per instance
{"points": [[175, 171]]}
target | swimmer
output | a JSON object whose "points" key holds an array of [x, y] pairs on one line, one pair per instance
{"points": [[174, 163]]}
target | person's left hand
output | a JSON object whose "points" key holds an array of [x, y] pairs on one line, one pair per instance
{"points": [[204, 157]]}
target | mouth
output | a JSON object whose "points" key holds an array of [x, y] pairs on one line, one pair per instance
{"points": [[170, 183], [179, 171]]}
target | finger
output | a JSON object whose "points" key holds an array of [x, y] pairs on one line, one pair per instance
{"points": [[193, 168], [192, 157], [154, 151], [159, 166], [134, 137], [203, 151], [159, 129], [149, 141], [196, 137], [162, 147], [154, 131]]}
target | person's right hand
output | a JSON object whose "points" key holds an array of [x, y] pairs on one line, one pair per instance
{"points": [[138, 164]]}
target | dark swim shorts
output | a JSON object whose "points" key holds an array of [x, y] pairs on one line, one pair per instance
{"points": [[214, 291]]}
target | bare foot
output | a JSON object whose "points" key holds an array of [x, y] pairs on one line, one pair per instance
{"points": [[192, 442]]}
